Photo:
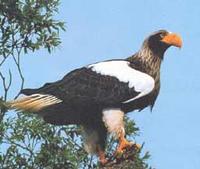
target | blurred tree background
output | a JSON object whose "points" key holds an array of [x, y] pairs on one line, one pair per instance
{"points": [[26, 141]]}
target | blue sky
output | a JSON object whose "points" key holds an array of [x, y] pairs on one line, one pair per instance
{"points": [[101, 30]]}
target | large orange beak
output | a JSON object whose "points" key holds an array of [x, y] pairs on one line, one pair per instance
{"points": [[172, 39]]}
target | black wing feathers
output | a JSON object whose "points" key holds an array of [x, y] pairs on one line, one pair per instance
{"points": [[86, 86]]}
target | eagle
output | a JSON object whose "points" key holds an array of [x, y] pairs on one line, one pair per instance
{"points": [[99, 95]]}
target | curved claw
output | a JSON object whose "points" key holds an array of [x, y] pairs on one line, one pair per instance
{"points": [[137, 146], [123, 145]]}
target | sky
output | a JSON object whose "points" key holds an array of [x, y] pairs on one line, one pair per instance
{"points": [[101, 30]]}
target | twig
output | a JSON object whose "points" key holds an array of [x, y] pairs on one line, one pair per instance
{"points": [[17, 63], [6, 86]]}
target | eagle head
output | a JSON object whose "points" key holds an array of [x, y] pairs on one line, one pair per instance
{"points": [[161, 40]]}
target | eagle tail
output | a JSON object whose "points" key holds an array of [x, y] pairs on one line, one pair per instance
{"points": [[33, 102]]}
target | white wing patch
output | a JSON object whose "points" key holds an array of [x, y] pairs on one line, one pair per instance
{"points": [[142, 82]]}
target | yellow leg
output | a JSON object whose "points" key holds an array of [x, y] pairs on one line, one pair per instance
{"points": [[123, 144], [102, 158]]}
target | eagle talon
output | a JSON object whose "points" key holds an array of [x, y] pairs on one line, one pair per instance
{"points": [[137, 146], [102, 158], [123, 145]]}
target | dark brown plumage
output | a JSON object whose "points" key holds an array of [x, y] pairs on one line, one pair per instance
{"points": [[97, 96]]}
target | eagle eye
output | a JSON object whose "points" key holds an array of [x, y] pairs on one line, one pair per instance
{"points": [[162, 35]]}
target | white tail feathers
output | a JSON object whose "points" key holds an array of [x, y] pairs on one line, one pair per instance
{"points": [[33, 102]]}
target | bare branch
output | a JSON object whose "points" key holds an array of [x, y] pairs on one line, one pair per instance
{"points": [[2, 62], [18, 65], [10, 80], [6, 86]]}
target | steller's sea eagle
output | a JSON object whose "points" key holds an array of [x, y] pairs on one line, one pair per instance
{"points": [[98, 95]]}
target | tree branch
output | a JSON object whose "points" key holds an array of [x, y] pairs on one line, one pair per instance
{"points": [[129, 159]]}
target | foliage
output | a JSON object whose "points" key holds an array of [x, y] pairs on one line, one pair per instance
{"points": [[28, 25], [25, 25], [35, 144], [26, 141], [32, 143]]}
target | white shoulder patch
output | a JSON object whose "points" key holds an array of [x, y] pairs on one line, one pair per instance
{"points": [[142, 82]]}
